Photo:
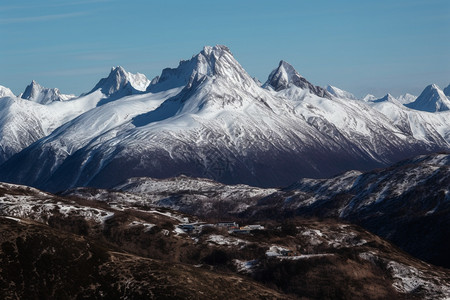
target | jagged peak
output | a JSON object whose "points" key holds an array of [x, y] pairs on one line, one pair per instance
{"points": [[39, 94], [285, 76], [120, 80], [217, 61]]}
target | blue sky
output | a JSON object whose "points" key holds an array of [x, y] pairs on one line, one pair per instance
{"points": [[360, 46]]}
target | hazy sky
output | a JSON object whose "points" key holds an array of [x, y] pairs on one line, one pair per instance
{"points": [[360, 46]]}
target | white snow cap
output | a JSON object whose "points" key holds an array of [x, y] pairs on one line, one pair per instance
{"points": [[369, 97], [285, 76], [211, 61], [121, 81], [337, 92], [39, 94], [432, 99], [5, 92]]}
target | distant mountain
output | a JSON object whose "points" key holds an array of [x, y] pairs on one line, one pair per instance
{"points": [[337, 92], [386, 98], [285, 75], [447, 91], [36, 93], [121, 83], [432, 99], [5, 92], [40, 110], [369, 97], [214, 121], [406, 98]]}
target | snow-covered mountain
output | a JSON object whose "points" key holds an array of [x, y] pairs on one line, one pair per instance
{"points": [[406, 98], [5, 92], [39, 94], [337, 92], [21, 123], [121, 83], [369, 97], [209, 118], [285, 76], [447, 91], [39, 111], [432, 99], [386, 98]]}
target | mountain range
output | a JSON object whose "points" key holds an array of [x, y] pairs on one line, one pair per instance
{"points": [[209, 118], [152, 177]]}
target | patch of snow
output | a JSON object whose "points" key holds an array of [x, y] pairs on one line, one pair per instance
{"points": [[222, 240]]}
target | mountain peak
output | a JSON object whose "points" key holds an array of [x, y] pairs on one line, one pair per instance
{"points": [[121, 83], [5, 92], [208, 50], [337, 92], [211, 61], [39, 94], [387, 98], [432, 99], [285, 76]]}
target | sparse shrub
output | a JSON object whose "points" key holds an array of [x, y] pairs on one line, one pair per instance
{"points": [[289, 228], [216, 257]]}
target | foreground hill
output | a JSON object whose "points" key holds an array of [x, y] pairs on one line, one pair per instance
{"points": [[407, 203], [54, 246]]}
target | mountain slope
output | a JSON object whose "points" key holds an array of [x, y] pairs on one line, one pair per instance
{"points": [[407, 203], [429, 127], [447, 91], [220, 124], [21, 123]]}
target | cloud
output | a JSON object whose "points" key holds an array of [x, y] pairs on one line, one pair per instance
{"points": [[42, 18]]}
